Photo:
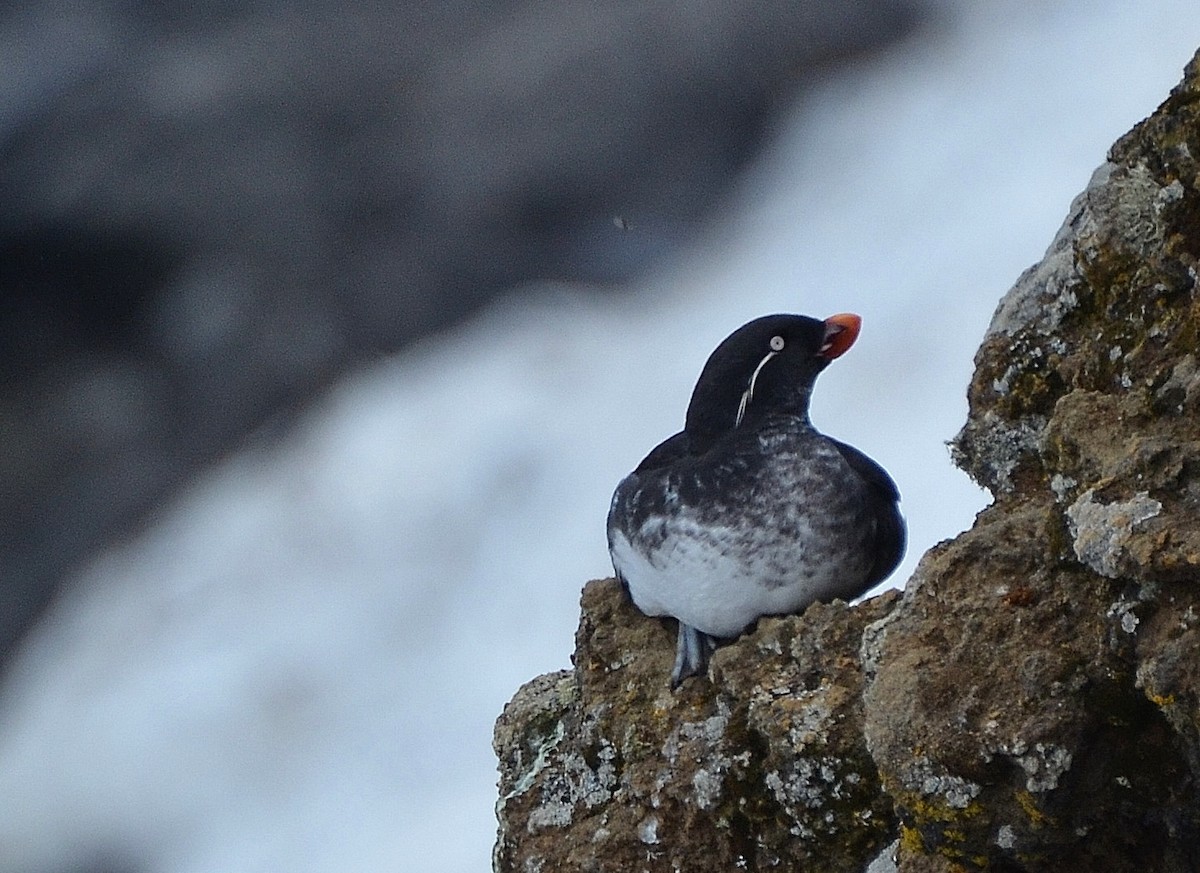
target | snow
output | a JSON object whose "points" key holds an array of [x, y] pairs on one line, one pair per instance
{"points": [[298, 666]]}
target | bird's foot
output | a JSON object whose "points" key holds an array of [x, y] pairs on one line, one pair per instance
{"points": [[692, 649]]}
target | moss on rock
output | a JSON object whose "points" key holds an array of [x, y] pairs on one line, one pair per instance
{"points": [[1031, 703]]}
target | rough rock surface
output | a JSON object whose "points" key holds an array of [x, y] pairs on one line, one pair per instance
{"points": [[606, 769], [1031, 703]]}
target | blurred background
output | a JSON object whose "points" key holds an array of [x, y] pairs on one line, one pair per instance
{"points": [[328, 330]]}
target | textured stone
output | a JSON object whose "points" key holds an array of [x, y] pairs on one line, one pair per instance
{"points": [[1032, 701], [1043, 656], [605, 768]]}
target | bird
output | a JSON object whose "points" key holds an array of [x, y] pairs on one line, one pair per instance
{"points": [[749, 510]]}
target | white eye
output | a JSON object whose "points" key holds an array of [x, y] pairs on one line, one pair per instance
{"points": [[777, 344]]}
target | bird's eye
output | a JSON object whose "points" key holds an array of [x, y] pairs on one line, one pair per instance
{"points": [[777, 344]]}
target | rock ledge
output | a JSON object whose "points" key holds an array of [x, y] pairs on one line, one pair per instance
{"points": [[1031, 702]]}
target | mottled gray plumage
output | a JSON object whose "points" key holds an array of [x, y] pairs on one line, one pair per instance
{"points": [[749, 511]]}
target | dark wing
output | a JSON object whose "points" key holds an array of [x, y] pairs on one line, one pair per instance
{"points": [[890, 531], [628, 503], [622, 513], [666, 452]]}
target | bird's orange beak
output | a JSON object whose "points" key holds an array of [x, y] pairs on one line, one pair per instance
{"points": [[841, 331]]}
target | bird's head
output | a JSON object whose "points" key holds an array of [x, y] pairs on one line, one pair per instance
{"points": [[767, 365]]}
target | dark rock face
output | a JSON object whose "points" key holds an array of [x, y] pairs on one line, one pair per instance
{"points": [[1031, 703], [211, 210]]}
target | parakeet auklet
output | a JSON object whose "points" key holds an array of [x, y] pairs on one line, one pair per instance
{"points": [[749, 511]]}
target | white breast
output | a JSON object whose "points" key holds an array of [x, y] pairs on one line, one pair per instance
{"points": [[694, 576]]}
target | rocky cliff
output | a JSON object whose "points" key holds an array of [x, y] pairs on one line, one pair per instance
{"points": [[1031, 702]]}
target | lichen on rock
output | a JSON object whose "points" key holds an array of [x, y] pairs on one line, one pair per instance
{"points": [[605, 768], [1030, 703], [1099, 531], [1037, 654]]}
